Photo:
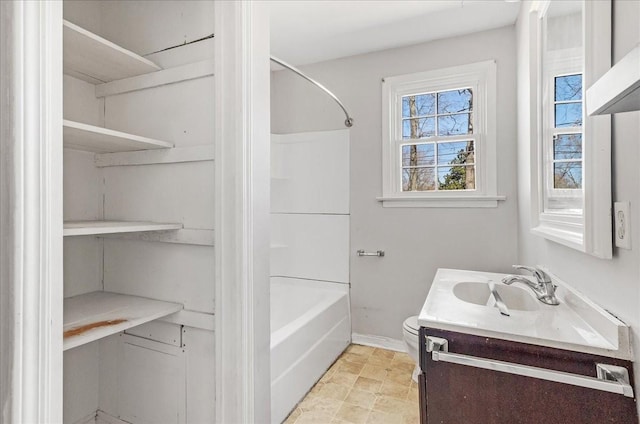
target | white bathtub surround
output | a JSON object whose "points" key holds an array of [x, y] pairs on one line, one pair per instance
{"points": [[310, 328], [379, 342], [310, 307]]}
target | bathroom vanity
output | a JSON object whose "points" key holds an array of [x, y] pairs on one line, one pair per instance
{"points": [[569, 363]]}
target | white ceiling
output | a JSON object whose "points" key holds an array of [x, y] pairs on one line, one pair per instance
{"points": [[309, 31]]}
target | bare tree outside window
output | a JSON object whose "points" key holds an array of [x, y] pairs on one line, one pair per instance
{"points": [[441, 164]]}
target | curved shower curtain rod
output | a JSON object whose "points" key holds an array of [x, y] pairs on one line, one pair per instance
{"points": [[349, 121]]}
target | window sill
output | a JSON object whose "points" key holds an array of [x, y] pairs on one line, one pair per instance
{"points": [[441, 201]]}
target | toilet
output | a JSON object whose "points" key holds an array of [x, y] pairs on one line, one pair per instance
{"points": [[410, 330]]}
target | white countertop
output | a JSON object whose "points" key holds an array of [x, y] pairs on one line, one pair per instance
{"points": [[576, 324]]}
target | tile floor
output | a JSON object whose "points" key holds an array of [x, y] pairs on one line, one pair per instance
{"points": [[365, 385]]}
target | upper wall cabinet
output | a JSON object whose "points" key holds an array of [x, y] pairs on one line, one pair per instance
{"points": [[571, 170], [618, 90]]}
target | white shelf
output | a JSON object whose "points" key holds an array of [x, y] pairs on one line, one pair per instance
{"points": [[618, 90], [86, 228], [93, 59], [92, 316], [102, 140]]}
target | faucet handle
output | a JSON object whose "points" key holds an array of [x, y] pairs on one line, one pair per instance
{"points": [[540, 275]]}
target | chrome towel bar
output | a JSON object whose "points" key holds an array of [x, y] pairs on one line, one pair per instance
{"points": [[379, 253], [611, 378]]}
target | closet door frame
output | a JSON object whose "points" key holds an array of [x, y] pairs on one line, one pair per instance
{"points": [[242, 226], [31, 219]]}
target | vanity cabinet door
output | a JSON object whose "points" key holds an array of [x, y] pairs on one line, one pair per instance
{"points": [[456, 394]]}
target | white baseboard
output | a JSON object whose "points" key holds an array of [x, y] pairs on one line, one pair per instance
{"points": [[379, 341], [104, 418]]}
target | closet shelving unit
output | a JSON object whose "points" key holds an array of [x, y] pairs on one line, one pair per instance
{"points": [[92, 316], [90, 138], [89, 317], [93, 59]]}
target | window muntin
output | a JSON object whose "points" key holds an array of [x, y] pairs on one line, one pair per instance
{"points": [[567, 146], [564, 139], [443, 163]]}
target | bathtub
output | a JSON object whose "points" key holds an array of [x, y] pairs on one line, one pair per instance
{"points": [[310, 328]]}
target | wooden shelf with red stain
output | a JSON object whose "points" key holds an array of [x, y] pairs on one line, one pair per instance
{"points": [[92, 316]]}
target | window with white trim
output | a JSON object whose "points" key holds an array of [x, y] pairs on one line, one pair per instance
{"points": [[439, 141], [563, 134]]}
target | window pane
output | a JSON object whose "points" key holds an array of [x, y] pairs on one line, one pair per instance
{"points": [[418, 128], [456, 178], [418, 179], [418, 155], [568, 87], [418, 105], [455, 101], [455, 124], [567, 146], [567, 175], [455, 153], [568, 115]]}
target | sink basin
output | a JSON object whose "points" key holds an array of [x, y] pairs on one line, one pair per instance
{"points": [[516, 298], [460, 301]]}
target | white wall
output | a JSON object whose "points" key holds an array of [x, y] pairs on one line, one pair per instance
{"points": [[384, 291], [615, 283]]}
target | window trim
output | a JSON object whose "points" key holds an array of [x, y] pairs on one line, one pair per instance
{"points": [[481, 78]]}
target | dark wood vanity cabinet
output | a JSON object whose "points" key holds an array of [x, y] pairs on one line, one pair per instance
{"points": [[453, 393]]}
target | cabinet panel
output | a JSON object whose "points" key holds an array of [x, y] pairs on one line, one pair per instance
{"points": [[463, 394], [152, 382]]}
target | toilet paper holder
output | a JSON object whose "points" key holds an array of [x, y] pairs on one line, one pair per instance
{"points": [[379, 253]]}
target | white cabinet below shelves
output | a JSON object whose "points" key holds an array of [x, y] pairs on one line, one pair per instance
{"points": [[92, 316]]}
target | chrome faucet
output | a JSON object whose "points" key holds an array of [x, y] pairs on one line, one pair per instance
{"points": [[544, 289]]}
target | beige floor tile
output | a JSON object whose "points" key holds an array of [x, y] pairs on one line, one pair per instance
{"points": [[401, 365], [383, 353], [400, 377], [392, 405], [313, 418], [352, 414], [394, 390], [316, 389], [327, 375], [379, 361], [412, 420], [293, 416], [413, 395], [367, 384], [403, 357], [317, 403], [354, 357], [333, 391], [361, 398], [343, 378], [377, 417], [360, 349], [350, 367], [374, 372]]}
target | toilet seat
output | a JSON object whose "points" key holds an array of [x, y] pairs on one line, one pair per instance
{"points": [[411, 325]]}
